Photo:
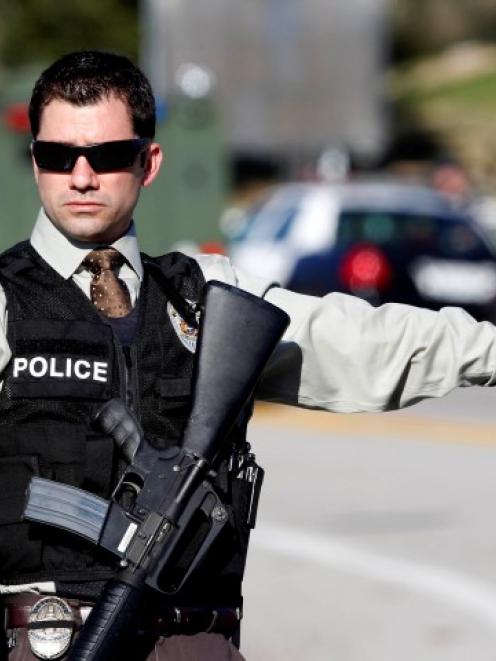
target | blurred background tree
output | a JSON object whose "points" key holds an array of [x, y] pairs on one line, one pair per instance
{"points": [[40, 30], [443, 80], [425, 27]]}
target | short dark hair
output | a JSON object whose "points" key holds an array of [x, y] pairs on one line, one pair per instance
{"points": [[88, 76]]}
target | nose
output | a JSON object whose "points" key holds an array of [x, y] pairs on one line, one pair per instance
{"points": [[83, 177]]}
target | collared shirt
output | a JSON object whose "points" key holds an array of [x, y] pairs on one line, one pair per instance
{"points": [[339, 353], [65, 256]]}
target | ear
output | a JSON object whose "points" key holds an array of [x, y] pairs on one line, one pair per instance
{"points": [[36, 171], [154, 157]]}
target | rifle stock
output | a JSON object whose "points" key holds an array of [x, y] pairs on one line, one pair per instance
{"points": [[238, 334]]}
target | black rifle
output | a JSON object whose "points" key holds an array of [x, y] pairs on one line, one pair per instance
{"points": [[172, 488]]}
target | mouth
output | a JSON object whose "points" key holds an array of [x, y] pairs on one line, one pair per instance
{"points": [[80, 205]]}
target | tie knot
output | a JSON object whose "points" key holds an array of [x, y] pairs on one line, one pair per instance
{"points": [[103, 259], [107, 291]]}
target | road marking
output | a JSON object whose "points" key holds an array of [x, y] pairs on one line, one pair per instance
{"points": [[394, 424], [448, 586]]}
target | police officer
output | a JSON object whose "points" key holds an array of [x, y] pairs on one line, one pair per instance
{"points": [[85, 317]]}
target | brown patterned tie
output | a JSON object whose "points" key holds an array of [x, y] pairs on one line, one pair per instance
{"points": [[108, 292]]}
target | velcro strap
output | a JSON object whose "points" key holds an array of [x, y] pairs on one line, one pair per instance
{"points": [[50, 624], [191, 620]]}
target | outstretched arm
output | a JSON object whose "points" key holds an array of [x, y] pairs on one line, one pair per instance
{"points": [[343, 355]]}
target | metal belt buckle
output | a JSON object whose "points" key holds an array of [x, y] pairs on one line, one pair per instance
{"points": [[50, 627]]}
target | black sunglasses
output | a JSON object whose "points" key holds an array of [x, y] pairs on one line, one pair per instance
{"points": [[103, 157]]}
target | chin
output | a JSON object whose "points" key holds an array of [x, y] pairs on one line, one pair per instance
{"points": [[91, 228], [88, 232]]}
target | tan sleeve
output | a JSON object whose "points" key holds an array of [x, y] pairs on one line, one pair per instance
{"points": [[218, 267], [342, 354]]}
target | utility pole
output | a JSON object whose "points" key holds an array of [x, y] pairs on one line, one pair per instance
{"points": [[152, 49]]}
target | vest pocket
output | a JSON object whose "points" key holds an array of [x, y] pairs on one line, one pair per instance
{"points": [[15, 473], [16, 546], [174, 393], [99, 465]]}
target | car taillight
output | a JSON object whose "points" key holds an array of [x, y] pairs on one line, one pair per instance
{"points": [[212, 247], [365, 267]]}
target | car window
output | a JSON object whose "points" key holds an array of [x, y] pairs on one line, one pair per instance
{"points": [[448, 237], [303, 219], [272, 219]]}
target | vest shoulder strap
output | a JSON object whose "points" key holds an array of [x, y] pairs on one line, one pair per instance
{"points": [[180, 278], [15, 259]]}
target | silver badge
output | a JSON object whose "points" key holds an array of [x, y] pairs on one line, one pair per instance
{"points": [[50, 642], [186, 333]]}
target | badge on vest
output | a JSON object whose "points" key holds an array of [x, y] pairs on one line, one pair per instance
{"points": [[187, 334]]}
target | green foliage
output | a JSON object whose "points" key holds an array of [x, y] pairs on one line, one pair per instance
{"points": [[41, 30], [424, 27], [475, 90]]}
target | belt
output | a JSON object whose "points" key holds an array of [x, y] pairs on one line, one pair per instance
{"points": [[170, 621], [18, 609]]}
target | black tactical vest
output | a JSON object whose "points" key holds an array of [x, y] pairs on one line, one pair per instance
{"points": [[66, 360]]}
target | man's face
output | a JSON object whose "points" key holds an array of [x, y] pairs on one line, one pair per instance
{"points": [[84, 204]]}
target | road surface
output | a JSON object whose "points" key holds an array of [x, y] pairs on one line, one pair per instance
{"points": [[376, 537]]}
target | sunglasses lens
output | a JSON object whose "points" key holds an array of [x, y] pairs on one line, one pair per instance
{"points": [[54, 156], [115, 155], [105, 157]]}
